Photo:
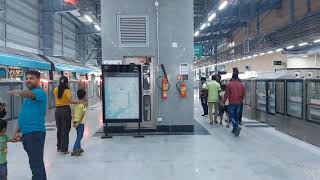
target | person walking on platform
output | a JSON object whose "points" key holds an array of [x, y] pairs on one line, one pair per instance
{"points": [[213, 88], [235, 93], [63, 114], [204, 96], [31, 123]]}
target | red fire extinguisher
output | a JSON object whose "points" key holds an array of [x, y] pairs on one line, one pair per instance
{"points": [[165, 85], [182, 88]]}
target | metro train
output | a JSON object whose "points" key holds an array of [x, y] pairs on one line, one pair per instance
{"points": [[15, 63], [288, 100]]}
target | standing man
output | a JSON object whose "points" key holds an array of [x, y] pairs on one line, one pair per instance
{"points": [[204, 96], [32, 123], [213, 88], [235, 93]]}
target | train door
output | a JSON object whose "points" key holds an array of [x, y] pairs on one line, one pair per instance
{"points": [[148, 90]]}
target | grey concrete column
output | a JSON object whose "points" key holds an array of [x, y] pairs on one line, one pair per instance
{"points": [[47, 21], [82, 44]]}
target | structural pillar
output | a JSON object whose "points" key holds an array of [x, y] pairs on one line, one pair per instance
{"points": [[47, 21], [82, 44]]}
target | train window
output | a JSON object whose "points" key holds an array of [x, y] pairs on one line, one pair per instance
{"points": [[294, 98], [313, 106], [4, 98], [280, 96], [261, 96]]}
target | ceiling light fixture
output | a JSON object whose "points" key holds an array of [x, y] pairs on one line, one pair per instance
{"points": [[88, 18], [270, 52], [279, 50], [203, 26], [212, 16], [97, 27], [303, 44], [317, 41], [261, 54], [290, 47], [223, 5], [255, 55], [196, 34]]}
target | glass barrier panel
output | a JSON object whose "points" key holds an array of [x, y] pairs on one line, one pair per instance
{"points": [[247, 99], [280, 97], [17, 101], [271, 97], [294, 99], [5, 98], [261, 96], [91, 89], [313, 106], [51, 97]]}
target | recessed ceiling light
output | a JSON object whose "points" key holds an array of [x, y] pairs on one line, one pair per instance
{"points": [[303, 44], [290, 47]]}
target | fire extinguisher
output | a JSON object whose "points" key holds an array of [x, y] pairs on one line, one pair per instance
{"points": [[182, 88], [165, 85]]}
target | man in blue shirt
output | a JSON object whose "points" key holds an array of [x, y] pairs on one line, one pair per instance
{"points": [[32, 123]]}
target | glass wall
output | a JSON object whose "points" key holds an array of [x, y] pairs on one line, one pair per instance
{"points": [[294, 98]]}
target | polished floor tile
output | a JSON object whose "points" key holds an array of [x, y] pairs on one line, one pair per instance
{"points": [[258, 154]]}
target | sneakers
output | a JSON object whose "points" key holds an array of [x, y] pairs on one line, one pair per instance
{"points": [[237, 132], [204, 115], [77, 152]]}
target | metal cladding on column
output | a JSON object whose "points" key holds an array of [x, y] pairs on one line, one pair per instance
{"points": [[47, 26]]}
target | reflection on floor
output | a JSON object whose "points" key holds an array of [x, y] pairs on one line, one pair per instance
{"points": [[258, 154]]}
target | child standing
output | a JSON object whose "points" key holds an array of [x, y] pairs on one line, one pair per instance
{"points": [[4, 139], [78, 123], [224, 108]]}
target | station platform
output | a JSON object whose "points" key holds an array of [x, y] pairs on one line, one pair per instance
{"points": [[260, 153]]}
